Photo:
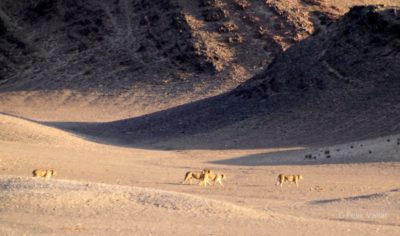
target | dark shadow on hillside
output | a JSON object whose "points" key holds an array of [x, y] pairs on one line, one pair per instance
{"points": [[383, 149], [275, 159], [230, 122], [187, 123], [339, 86]]}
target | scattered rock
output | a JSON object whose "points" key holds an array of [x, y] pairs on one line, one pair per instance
{"points": [[214, 14], [237, 38], [251, 19], [242, 4], [227, 27]]}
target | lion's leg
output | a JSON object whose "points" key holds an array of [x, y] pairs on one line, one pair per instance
{"points": [[186, 178], [47, 175], [281, 184], [280, 180], [205, 181], [211, 183]]}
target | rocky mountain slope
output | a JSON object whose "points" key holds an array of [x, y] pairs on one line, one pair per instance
{"points": [[339, 85], [121, 45], [360, 54]]}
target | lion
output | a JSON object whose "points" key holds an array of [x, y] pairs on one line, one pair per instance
{"points": [[203, 176], [289, 178], [43, 173], [217, 178]]}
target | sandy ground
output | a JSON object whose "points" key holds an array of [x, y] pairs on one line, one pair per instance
{"points": [[105, 188], [101, 189]]}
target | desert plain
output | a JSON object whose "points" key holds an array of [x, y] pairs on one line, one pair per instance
{"points": [[122, 98]]}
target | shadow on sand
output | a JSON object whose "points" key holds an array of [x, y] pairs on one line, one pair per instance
{"points": [[355, 198], [367, 151]]}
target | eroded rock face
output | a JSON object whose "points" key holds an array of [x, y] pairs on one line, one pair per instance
{"points": [[117, 45], [358, 53], [82, 45]]}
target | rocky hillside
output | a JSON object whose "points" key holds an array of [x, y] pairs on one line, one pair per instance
{"points": [[339, 85], [119, 45], [360, 53]]}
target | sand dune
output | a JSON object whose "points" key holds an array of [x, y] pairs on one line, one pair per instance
{"points": [[154, 202], [68, 197], [13, 129], [59, 206], [376, 213], [139, 210]]}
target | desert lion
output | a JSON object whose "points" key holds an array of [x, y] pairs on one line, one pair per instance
{"points": [[203, 176], [289, 178], [217, 178], [43, 173]]}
